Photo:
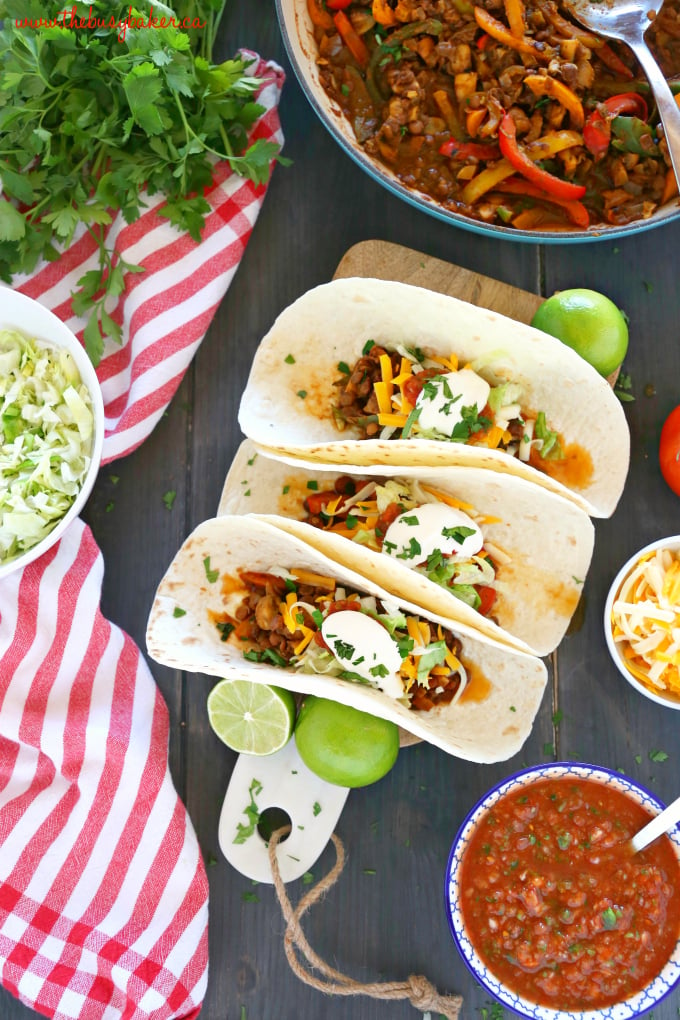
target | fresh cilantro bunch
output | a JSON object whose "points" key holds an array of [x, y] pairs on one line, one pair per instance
{"points": [[91, 118]]}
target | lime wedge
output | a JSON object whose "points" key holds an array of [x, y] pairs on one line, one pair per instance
{"points": [[251, 718]]}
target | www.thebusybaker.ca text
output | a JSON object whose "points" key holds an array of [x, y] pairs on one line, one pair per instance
{"points": [[71, 19]]}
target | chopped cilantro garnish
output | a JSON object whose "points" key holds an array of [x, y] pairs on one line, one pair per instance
{"points": [[658, 756], [302, 394], [289, 359], [458, 534], [225, 630], [210, 573], [344, 368], [313, 485], [367, 346], [169, 498], [410, 551], [252, 813], [178, 611]]}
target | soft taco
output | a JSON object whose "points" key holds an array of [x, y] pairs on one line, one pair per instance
{"points": [[373, 372], [244, 598], [487, 549]]}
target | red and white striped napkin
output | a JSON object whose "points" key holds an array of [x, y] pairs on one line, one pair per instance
{"points": [[103, 892]]}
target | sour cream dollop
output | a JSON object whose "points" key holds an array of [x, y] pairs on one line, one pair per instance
{"points": [[443, 397], [363, 646], [415, 534]]}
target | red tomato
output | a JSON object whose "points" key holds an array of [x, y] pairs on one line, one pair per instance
{"points": [[488, 597], [414, 384], [669, 450], [315, 502]]}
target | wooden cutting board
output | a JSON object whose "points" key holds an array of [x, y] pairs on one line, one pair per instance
{"points": [[385, 261]]}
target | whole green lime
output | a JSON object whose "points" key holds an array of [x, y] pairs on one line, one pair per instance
{"points": [[342, 745], [588, 322]]}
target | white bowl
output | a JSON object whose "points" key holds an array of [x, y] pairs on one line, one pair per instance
{"points": [[669, 701], [34, 321], [298, 37], [635, 1005]]}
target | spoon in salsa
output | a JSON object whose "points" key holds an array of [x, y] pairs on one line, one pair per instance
{"points": [[660, 824], [627, 21]]}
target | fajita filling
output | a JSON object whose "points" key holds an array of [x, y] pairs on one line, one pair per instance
{"points": [[299, 620], [407, 394]]}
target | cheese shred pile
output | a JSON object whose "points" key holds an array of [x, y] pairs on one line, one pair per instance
{"points": [[646, 621]]}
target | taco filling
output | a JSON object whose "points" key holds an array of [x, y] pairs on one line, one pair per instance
{"points": [[420, 527], [299, 620], [406, 393]]}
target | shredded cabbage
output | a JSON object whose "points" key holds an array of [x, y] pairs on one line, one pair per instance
{"points": [[47, 431]]}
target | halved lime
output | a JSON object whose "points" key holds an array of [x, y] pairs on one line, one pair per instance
{"points": [[251, 718]]}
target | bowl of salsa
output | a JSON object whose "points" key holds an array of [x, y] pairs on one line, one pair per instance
{"points": [[549, 909], [642, 621]]}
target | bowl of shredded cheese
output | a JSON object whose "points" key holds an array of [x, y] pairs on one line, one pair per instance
{"points": [[51, 429], [642, 621]]}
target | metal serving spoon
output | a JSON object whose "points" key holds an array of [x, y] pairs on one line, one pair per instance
{"points": [[627, 20], [663, 822]]}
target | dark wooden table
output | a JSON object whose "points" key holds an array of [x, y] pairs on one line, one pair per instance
{"points": [[385, 919]]}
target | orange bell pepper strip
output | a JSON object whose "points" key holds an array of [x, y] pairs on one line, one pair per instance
{"points": [[575, 211], [507, 139], [351, 38], [670, 187], [544, 85], [320, 17], [613, 61], [383, 13], [502, 34], [514, 12], [474, 119]]}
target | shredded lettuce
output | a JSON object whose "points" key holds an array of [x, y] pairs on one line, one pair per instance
{"points": [[46, 439], [504, 395]]}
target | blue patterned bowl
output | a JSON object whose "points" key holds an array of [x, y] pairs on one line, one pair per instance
{"points": [[636, 1005]]}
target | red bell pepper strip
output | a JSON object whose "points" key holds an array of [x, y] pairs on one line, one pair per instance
{"points": [[507, 137], [576, 211], [338, 5], [597, 130], [352, 40], [463, 149]]}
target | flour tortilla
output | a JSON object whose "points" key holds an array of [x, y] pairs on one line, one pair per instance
{"points": [[286, 406], [180, 634], [548, 539]]}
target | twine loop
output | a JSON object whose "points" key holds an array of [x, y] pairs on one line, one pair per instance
{"points": [[416, 988]]}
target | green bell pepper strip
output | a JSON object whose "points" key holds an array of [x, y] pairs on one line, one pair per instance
{"points": [[597, 128]]}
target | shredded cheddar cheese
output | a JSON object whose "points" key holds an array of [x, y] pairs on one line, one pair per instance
{"points": [[645, 621]]}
